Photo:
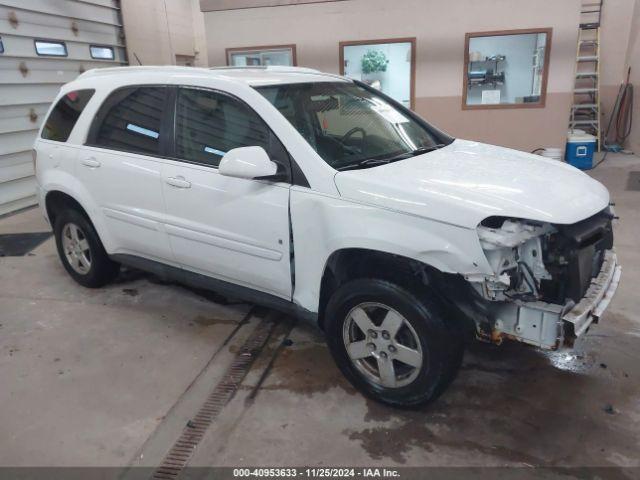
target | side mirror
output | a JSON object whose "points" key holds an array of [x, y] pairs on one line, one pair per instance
{"points": [[247, 162]]}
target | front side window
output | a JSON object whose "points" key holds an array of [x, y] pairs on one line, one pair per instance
{"points": [[65, 114], [350, 126], [46, 48], [209, 124], [130, 120]]}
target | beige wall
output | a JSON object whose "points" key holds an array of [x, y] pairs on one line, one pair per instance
{"points": [[158, 30], [440, 28]]}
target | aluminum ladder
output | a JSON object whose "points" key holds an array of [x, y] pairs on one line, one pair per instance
{"points": [[585, 108]]}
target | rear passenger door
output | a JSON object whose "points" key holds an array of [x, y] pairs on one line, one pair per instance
{"points": [[233, 229], [121, 168]]}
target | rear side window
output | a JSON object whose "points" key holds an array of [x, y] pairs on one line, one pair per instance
{"points": [[65, 114], [130, 120], [209, 124]]}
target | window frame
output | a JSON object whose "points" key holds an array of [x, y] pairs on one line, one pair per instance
{"points": [[382, 41], [48, 40], [289, 168], [262, 48], [497, 33], [113, 52], [165, 121]]}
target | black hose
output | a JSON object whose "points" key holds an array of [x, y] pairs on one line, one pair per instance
{"points": [[622, 113]]}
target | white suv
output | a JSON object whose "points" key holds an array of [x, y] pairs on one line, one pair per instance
{"points": [[324, 198]]}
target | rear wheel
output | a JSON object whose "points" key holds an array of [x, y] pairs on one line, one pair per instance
{"points": [[390, 344], [81, 251]]}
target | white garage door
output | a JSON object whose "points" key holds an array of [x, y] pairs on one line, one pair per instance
{"points": [[44, 44]]}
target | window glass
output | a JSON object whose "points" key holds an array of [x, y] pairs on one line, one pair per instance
{"points": [[384, 66], [65, 115], [350, 126], [1, 46], [51, 49], [506, 69], [103, 53], [261, 57], [209, 124], [130, 120]]}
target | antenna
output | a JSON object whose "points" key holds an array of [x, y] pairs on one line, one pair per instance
{"points": [[139, 62]]}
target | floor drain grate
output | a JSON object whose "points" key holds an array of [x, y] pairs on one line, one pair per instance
{"points": [[182, 450], [633, 181]]}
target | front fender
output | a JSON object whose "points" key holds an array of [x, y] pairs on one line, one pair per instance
{"points": [[323, 225]]}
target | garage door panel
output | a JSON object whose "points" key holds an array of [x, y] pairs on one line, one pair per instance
{"points": [[17, 111], [20, 165], [25, 94], [69, 9], [17, 189], [48, 66], [22, 123], [27, 18], [109, 37], [16, 141]]}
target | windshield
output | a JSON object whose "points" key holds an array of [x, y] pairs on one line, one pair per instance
{"points": [[350, 126]]}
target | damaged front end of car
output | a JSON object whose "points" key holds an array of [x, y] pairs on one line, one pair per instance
{"points": [[550, 282]]}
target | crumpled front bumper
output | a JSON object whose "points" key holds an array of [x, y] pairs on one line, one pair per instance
{"points": [[550, 326], [596, 299]]}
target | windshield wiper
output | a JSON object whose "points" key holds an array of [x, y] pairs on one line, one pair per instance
{"points": [[372, 162]]}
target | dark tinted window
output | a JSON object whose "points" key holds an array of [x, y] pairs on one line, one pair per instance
{"points": [[209, 124], [1, 46], [130, 119], [65, 115]]}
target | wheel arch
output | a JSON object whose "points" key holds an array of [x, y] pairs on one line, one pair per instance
{"points": [[417, 277], [55, 200]]}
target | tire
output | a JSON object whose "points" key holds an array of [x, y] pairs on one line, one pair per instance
{"points": [[398, 320], [81, 250]]}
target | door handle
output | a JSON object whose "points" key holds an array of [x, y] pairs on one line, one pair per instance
{"points": [[178, 182], [90, 162]]}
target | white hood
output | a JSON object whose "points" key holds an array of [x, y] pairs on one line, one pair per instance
{"points": [[466, 182]]}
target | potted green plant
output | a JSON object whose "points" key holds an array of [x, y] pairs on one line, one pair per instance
{"points": [[374, 63]]}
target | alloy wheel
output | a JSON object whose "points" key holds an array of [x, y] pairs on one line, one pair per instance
{"points": [[382, 345], [76, 248]]}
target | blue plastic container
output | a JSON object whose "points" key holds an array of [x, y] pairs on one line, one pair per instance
{"points": [[580, 149]]}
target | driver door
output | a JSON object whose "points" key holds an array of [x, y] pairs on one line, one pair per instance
{"points": [[232, 229]]}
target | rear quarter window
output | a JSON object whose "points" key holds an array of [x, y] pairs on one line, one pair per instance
{"points": [[65, 114]]}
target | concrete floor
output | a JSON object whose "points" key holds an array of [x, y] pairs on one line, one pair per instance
{"points": [[109, 377]]}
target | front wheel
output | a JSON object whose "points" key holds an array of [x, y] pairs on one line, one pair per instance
{"points": [[390, 344]]}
